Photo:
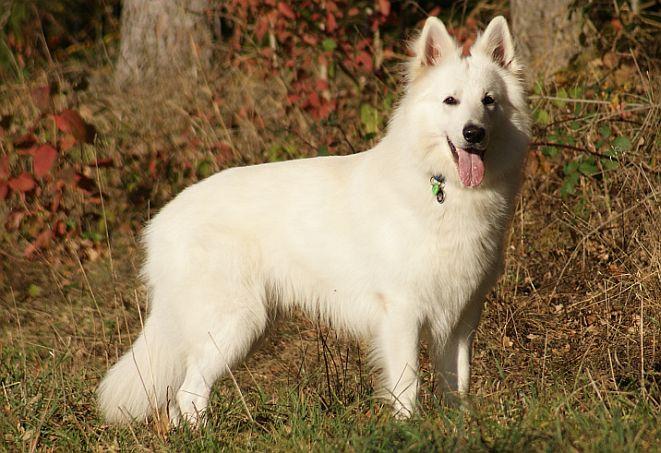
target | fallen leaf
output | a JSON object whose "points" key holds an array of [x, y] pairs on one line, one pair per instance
{"points": [[103, 163], [22, 183], [43, 160], [43, 240], [331, 23], [55, 202], [365, 60], [70, 121], [286, 10], [27, 151], [384, 7], [14, 220], [25, 141], [66, 142], [60, 228], [29, 250], [4, 166]]}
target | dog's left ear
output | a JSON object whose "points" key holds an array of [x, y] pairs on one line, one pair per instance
{"points": [[496, 42]]}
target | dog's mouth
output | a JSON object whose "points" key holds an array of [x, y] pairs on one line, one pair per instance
{"points": [[470, 164]]}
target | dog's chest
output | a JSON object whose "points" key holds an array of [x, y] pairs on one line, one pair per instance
{"points": [[467, 234]]}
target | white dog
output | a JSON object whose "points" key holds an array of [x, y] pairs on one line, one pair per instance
{"points": [[402, 239]]}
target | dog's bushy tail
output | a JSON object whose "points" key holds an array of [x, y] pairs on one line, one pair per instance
{"points": [[144, 379]]}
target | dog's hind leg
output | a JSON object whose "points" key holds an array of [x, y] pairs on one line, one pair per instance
{"points": [[220, 341]]}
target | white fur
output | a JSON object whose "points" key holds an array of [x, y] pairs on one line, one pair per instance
{"points": [[359, 240]]}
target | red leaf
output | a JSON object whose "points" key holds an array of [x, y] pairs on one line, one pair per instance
{"points": [[261, 27], [286, 10], [321, 85], [326, 109], [55, 202], [22, 183], [313, 100], [365, 60], [29, 250], [41, 97], [309, 39], [43, 239], [70, 121], [152, 167], [60, 228], [14, 220], [384, 7], [25, 141], [331, 23], [27, 152], [103, 163], [4, 188], [67, 142], [43, 160], [41, 242], [4, 166]]}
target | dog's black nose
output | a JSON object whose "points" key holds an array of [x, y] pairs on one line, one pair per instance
{"points": [[474, 134]]}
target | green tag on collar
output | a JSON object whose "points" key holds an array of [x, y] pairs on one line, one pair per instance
{"points": [[437, 183]]}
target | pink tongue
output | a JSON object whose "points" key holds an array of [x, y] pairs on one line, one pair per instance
{"points": [[471, 168]]}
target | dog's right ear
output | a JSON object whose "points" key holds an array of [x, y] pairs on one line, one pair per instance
{"points": [[433, 45]]}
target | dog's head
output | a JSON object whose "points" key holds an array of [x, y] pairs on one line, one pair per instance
{"points": [[469, 111]]}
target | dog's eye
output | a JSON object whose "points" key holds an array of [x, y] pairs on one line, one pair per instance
{"points": [[488, 100], [450, 101]]}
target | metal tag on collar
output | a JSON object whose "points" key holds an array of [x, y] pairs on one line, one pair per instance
{"points": [[437, 183]]}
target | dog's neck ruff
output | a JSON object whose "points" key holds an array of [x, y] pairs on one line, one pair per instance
{"points": [[437, 186]]}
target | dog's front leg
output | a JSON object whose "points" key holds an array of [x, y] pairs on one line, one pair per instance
{"points": [[453, 358], [396, 351]]}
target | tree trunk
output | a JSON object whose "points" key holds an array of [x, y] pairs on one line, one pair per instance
{"points": [[162, 38], [547, 33]]}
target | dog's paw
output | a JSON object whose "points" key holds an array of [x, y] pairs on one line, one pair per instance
{"points": [[195, 420], [401, 412]]}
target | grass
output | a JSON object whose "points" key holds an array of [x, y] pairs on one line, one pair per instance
{"points": [[566, 357], [50, 404]]}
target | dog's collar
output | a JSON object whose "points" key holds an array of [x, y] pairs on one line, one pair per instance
{"points": [[437, 186]]}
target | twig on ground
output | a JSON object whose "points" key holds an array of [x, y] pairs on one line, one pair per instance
{"points": [[575, 148]]}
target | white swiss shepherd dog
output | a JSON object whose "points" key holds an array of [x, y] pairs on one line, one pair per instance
{"points": [[365, 241]]}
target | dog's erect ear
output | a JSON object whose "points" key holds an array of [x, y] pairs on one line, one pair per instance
{"points": [[433, 45], [496, 42]]}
